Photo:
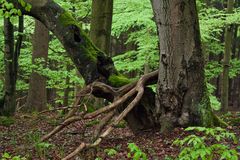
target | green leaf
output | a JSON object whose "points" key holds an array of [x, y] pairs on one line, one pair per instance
{"points": [[6, 155]]}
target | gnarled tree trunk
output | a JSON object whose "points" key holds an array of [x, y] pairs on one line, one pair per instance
{"points": [[181, 93], [93, 64]]}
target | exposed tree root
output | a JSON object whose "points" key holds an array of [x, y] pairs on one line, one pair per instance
{"points": [[121, 95]]}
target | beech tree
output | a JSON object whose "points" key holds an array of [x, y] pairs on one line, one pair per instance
{"points": [[37, 94], [101, 23], [182, 97]]}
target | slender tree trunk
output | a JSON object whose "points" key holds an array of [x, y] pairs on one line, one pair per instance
{"points": [[37, 94], [226, 60], [181, 92], [67, 89], [100, 30], [101, 24], [9, 105]]}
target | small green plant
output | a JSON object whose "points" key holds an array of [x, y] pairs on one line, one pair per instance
{"points": [[110, 152], [42, 148], [8, 156], [6, 121], [121, 124], [195, 147], [135, 152], [92, 123], [33, 137]]}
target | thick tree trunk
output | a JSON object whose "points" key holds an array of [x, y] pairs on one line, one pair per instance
{"points": [[37, 94], [226, 60], [181, 93]]}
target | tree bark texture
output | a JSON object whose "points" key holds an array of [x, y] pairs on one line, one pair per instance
{"points": [[226, 60], [37, 93], [10, 60], [101, 24], [181, 92], [100, 30], [8, 103]]}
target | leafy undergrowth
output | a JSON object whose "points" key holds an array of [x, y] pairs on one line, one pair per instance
{"points": [[21, 138]]}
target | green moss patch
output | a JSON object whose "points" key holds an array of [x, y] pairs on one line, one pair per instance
{"points": [[118, 80], [67, 19]]}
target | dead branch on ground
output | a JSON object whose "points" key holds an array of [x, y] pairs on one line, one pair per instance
{"points": [[121, 95]]}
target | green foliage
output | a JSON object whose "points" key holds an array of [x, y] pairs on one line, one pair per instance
{"points": [[8, 10], [33, 137], [121, 124], [215, 104], [110, 152], [140, 30], [118, 80], [8, 156], [92, 123], [135, 152], [42, 148], [208, 146], [6, 121]]}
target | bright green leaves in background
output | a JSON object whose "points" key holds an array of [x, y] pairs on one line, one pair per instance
{"points": [[134, 19], [7, 9]]}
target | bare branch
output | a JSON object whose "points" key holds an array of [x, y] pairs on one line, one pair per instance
{"points": [[60, 127]]}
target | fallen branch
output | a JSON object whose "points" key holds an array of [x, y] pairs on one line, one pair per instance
{"points": [[60, 127], [140, 90]]}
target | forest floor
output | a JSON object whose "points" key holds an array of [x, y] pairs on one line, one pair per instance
{"points": [[18, 136]]}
